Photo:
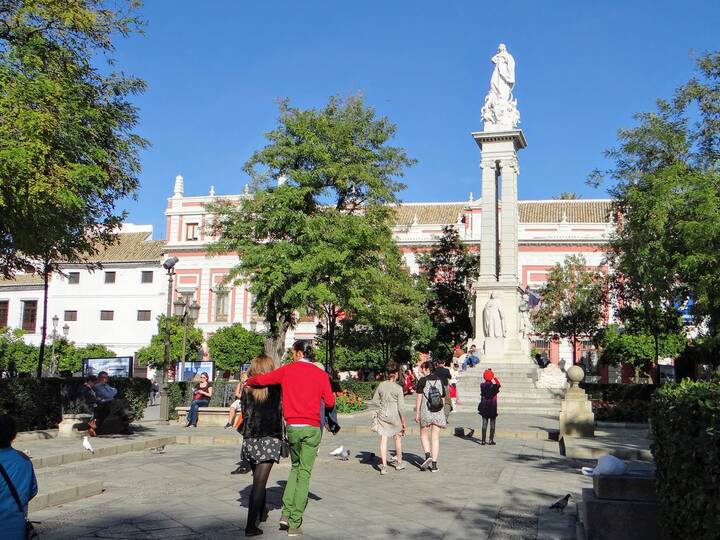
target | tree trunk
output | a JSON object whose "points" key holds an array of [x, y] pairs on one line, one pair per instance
{"points": [[657, 361], [275, 343], [332, 325], [41, 354], [574, 350]]}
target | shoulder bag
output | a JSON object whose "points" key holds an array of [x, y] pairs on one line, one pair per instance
{"points": [[29, 529]]}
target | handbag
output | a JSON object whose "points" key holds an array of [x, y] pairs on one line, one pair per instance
{"points": [[29, 529]]}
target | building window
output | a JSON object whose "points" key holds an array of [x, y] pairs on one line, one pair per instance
{"points": [[146, 276], [70, 315], [222, 305], [106, 315], [191, 231], [73, 278], [4, 313], [29, 316], [143, 315], [109, 277]]}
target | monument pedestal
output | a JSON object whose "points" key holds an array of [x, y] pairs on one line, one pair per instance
{"points": [[507, 350]]}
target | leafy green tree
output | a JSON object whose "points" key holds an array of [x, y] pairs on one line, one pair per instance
{"points": [[390, 318], [16, 356], [70, 358], [309, 243], [450, 269], [637, 350], [154, 354], [67, 151], [571, 302], [232, 346], [568, 196], [667, 195]]}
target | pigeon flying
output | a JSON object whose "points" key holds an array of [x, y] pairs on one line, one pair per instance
{"points": [[86, 444], [560, 504]]}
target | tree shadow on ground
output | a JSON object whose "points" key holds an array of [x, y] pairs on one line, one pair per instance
{"points": [[370, 458], [273, 495]]}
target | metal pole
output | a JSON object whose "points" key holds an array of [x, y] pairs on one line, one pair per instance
{"points": [[162, 382], [182, 358]]}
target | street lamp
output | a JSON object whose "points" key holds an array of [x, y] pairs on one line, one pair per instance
{"points": [[187, 313], [318, 336], [168, 265], [253, 325], [54, 336]]}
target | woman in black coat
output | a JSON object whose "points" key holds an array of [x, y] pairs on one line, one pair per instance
{"points": [[488, 403], [262, 430]]}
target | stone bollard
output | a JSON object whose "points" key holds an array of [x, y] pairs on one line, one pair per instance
{"points": [[72, 426], [576, 416]]}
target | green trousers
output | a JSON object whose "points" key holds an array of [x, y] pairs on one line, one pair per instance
{"points": [[304, 442]]}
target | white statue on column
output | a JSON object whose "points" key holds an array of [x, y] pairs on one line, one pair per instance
{"points": [[493, 318], [500, 109]]}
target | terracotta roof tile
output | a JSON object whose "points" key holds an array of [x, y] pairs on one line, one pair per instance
{"points": [[431, 213], [22, 279], [131, 247], [577, 211]]}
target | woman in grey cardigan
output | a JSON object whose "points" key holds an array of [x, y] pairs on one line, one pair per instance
{"points": [[389, 420]]}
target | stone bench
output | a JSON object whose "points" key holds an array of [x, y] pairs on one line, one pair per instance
{"points": [[207, 416], [623, 506]]}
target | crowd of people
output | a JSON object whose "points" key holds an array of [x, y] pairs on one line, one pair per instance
{"points": [[285, 411]]}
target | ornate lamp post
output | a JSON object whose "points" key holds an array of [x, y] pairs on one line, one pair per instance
{"points": [[187, 313], [53, 361], [168, 265], [318, 336]]}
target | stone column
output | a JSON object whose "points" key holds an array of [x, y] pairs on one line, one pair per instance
{"points": [[509, 222], [488, 224]]}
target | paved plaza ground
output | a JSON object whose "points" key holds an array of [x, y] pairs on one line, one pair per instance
{"points": [[493, 492]]}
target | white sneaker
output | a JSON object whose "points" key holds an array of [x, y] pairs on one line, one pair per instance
{"points": [[399, 466], [383, 469], [392, 459], [426, 464]]}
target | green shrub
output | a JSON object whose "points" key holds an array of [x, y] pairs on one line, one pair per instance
{"points": [[363, 389], [349, 403], [634, 410], [40, 403], [619, 392], [686, 447]]}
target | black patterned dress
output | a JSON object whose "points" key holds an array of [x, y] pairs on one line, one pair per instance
{"points": [[262, 427]]}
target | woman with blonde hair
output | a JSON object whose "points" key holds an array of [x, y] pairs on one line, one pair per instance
{"points": [[262, 431], [389, 420]]}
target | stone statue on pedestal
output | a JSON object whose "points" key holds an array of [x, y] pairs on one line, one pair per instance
{"points": [[493, 318], [500, 112]]}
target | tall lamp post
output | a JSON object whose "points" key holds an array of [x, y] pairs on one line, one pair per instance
{"points": [[168, 265], [188, 313], [55, 336]]}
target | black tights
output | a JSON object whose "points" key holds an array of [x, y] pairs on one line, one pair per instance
{"points": [[492, 428], [256, 506]]}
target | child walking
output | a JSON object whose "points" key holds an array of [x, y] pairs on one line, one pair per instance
{"points": [[488, 403]]}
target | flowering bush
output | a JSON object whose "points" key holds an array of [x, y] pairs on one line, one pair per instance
{"points": [[346, 402]]}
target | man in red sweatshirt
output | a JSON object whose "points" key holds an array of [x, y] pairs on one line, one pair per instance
{"points": [[303, 385]]}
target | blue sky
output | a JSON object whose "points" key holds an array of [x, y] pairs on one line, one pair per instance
{"points": [[215, 69]]}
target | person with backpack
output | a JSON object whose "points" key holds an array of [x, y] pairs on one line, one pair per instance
{"points": [[488, 403], [429, 404]]}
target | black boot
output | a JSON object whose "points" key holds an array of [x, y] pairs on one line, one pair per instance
{"points": [[492, 431]]}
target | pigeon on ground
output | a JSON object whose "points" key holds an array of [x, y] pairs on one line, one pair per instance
{"points": [[560, 504], [158, 450], [86, 444], [344, 455], [339, 450]]}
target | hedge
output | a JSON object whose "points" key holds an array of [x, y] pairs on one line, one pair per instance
{"points": [[40, 403], [685, 422], [613, 392], [364, 389]]}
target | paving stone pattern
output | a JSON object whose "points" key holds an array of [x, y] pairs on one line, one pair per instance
{"points": [[484, 492]]}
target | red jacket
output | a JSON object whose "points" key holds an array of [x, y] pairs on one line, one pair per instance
{"points": [[303, 385]]}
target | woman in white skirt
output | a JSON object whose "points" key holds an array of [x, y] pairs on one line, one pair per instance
{"points": [[389, 420]]}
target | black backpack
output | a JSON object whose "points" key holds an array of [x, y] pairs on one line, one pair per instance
{"points": [[434, 398]]}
